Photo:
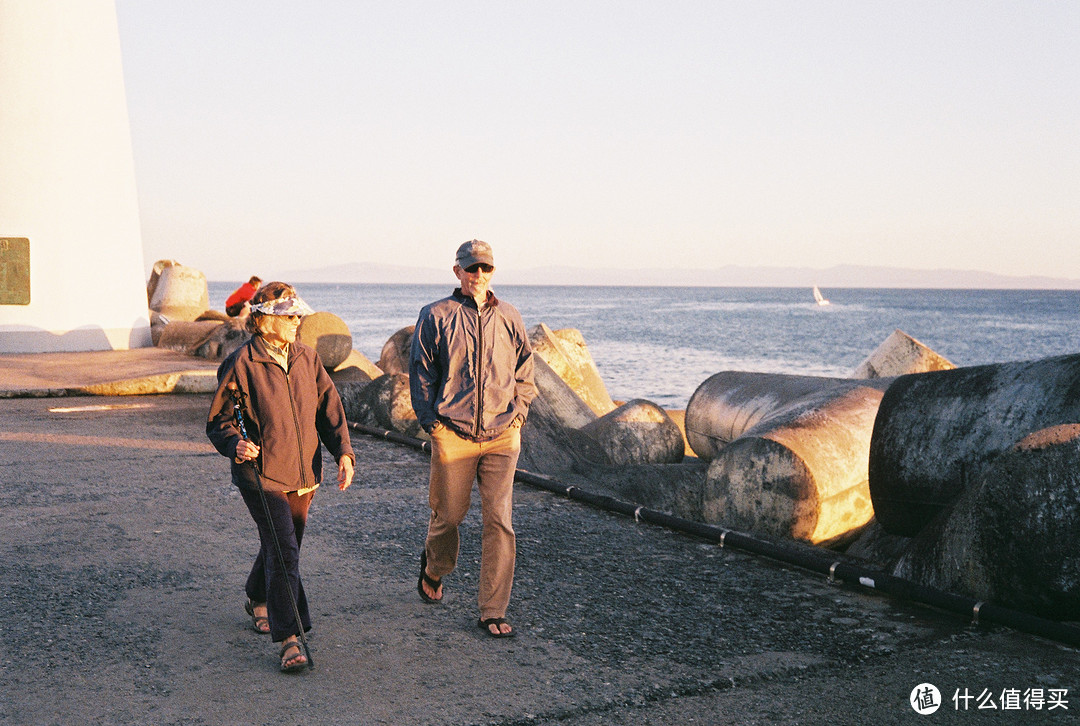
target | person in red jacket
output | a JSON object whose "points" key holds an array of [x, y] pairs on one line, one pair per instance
{"points": [[240, 300]]}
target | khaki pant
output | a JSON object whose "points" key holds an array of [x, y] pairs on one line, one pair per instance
{"points": [[455, 464]]}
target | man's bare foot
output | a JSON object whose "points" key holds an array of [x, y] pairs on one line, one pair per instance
{"points": [[433, 593], [430, 588], [496, 627]]}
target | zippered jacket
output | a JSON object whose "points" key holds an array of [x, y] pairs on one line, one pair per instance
{"points": [[471, 369], [285, 414]]}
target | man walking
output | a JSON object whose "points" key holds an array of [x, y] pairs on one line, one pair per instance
{"points": [[471, 380]]}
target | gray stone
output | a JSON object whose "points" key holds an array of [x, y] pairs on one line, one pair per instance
{"points": [[205, 339], [935, 432], [384, 403], [899, 355], [1011, 536], [565, 404], [356, 367], [565, 351], [394, 357], [638, 432], [550, 447], [178, 292], [328, 335]]}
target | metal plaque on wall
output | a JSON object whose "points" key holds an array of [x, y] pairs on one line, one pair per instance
{"points": [[14, 271]]}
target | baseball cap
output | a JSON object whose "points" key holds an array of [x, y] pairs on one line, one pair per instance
{"points": [[472, 252]]}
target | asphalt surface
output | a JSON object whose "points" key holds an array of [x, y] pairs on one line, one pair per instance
{"points": [[125, 550]]}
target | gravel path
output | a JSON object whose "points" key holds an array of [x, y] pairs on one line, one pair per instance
{"points": [[125, 549]]}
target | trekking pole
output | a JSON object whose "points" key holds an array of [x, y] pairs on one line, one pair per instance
{"points": [[238, 408]]}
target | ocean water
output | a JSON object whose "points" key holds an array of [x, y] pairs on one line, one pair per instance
{"points": [[660, 343]]}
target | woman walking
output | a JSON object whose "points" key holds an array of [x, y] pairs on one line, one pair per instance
{"points": [[289, 404]]}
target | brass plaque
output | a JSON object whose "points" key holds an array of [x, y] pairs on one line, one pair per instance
{"points": [[14, 271]]}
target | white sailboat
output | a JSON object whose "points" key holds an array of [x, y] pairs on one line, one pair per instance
{"points": [[818, 297]]}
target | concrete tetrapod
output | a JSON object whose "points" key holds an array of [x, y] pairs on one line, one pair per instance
{"points": [[178, 292], [565, 351], [328, 335], [1011, 536], [799, 469], [899, 355], [394, 357], [383, 403], [936, 432], [638, 432]]}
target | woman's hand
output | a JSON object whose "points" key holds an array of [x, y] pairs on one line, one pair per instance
{"points": [[246, 451], [344, 473]]}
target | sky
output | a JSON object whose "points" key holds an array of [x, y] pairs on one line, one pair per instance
{"points": [[272, 136]]}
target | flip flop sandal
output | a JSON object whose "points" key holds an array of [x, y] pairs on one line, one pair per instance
{"points": [[485, 623], [296, 666], [426, 578], [259, 623]]}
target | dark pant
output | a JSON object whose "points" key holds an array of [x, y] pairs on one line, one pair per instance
{"points": [[266, 583]]}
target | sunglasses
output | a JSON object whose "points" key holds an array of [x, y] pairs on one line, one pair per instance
{"points": [[479, 267]]}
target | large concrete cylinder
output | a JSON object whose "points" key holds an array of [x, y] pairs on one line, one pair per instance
{"points": [[936, 431], [801, 470], [68, 205], [1011, 536], [729, 403], [328, 335]]}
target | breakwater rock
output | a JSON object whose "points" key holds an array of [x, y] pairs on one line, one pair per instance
{"points": [[177, 292], [567, 354], [974, 472], [789, 453], [899, 355], [394, 357], [638, 432], [936, 432], [328, 335], [383, 403]]}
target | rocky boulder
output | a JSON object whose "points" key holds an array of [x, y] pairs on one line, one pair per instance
{"points": [[899, 355], [566, 353], [638, 432], [177, 292], [328, 335], [384, 403], [394, 357], [1011, 536]]}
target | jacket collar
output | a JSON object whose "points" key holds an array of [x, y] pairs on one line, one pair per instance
{"points": [[258, 352], [461, 297]]}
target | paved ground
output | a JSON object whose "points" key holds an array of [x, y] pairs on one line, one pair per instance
{"points": [[125, 549], [106, 372]]}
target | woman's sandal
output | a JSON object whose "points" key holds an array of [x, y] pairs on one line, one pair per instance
{"points": [[426, 578], [485, 623], [259, 623], [297, 665]]}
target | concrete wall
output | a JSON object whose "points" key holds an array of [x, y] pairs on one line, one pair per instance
{"points": [[67, 179]]}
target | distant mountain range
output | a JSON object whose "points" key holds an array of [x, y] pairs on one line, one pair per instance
{"points": [[727, 276]]}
